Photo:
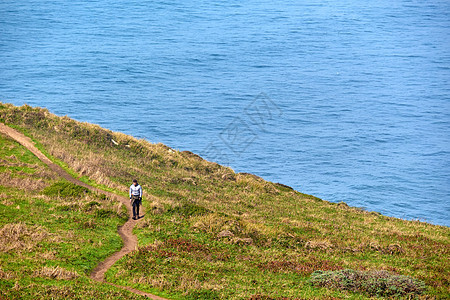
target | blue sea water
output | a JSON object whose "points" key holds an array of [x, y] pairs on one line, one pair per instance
{"points": [[346, 100]]}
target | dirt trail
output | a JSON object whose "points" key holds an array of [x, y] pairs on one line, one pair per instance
{"points": [[125, 231]]}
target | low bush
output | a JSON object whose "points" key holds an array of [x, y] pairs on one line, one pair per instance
{"points": [[374, 283]]}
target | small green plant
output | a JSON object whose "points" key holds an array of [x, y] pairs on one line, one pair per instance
{"points": [[374, 283], [65, 189]]}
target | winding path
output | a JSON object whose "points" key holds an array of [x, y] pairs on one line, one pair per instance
{"points": [[125, 231]]}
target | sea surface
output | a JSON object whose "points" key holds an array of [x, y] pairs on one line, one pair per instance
{"points": [[346, 100]]}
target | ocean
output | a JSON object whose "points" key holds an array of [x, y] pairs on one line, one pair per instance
{"points": [[346, 100]]}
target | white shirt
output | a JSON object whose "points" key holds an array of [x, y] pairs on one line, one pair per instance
{"points": [[135, 190]]}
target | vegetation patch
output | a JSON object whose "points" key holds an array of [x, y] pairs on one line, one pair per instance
{"points": [[56, 273], [304, 267], [188, 209], [65, 189], [104, 213], [374, 283], [19, 237]]}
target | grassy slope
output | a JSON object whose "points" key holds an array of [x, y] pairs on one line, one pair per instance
{"points": [[50, 243], [276, 236]]}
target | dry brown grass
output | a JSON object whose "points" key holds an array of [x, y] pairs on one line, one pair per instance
{"points": [[319, 244], [56, 273], [6, 274], [20, 237], [156, 207], [7, 179], [214, 223], [5, 200], [187, 283], [159, 281], [304, 267]]}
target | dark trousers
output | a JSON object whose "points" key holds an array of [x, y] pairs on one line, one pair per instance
{"points": [[136, 202]]}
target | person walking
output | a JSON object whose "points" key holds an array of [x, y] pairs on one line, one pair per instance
{"points": [[135, 198]]}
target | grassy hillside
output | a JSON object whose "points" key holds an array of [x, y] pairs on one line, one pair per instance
{"points": [[209, 233], [52, 233]]}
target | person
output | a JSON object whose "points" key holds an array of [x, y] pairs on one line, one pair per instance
{"points": [[135, 198]]}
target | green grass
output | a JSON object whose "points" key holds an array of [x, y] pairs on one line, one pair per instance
{"points": [[56, 226], [65, 166], [211, 233]]}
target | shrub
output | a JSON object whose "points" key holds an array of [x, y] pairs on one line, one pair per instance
{"points": [[374, 283], [65, 189]]}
